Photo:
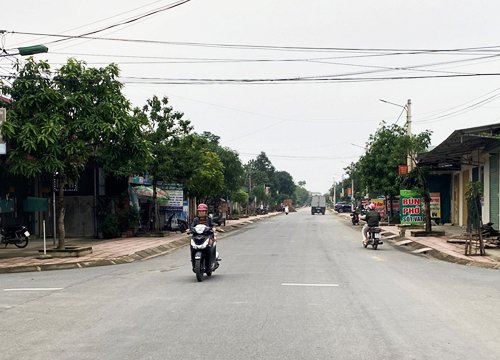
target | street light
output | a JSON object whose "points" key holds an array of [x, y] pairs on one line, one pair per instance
{"points": [[407, 108], [32, 50]]}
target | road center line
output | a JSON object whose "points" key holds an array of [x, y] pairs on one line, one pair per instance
{"points": [[314, 285], [33, 289]]}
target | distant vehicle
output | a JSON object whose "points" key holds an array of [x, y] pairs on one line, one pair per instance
{"points": [[318, 204], [342, 207]]}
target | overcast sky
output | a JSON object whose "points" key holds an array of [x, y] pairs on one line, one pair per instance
{"points": [[334, 60]]}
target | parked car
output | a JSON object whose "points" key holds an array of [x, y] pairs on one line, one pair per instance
{"points": [[342, 207]]}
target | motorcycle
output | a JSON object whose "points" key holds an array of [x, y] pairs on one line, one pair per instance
{"points": [[487, 230], [355, 218], [15, 234], [373, 237], [182, 225], [204, 257], [219, 219]]}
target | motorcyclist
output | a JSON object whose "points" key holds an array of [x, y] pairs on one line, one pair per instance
{"points": [[372, 219], [203, 218], [355, 217]]}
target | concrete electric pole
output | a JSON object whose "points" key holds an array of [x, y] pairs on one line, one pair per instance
{"points": [[409, 159]]}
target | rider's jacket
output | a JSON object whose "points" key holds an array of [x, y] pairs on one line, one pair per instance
{"points": [[372, 218]]}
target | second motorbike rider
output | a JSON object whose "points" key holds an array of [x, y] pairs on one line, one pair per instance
{"points": [[372, 219]]}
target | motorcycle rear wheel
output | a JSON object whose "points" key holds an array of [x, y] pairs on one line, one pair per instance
{"points": [[198, 270], [22, 242], [375, 245]]}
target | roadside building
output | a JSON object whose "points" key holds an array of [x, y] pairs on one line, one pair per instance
{"points": [[471, 154]]}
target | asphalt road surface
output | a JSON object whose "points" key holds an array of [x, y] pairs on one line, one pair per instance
{"points": [[294, 286]]}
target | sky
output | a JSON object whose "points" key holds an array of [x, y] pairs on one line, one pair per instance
{"points": [[300, 80]]}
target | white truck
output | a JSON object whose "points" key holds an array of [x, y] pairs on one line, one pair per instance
{"points": [[318, 204]]}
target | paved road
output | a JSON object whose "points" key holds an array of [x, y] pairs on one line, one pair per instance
{"points": [[291, 287]]}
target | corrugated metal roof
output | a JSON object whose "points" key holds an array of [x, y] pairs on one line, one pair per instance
{"points": [[451, 153]]}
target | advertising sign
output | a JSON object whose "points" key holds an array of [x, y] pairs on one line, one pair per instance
{"points": [[411, 208], [3, 146], [435, 205], [379, 206], [175, 200]]}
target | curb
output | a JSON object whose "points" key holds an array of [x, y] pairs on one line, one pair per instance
{"points": [[422, 250], [406, 245], [141, 255]]}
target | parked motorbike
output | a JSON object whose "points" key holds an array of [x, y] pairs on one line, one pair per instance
{"points": [[487, 230], [182, 225], [355, 218], [204, 256], [219, 219], [14, 234], [374, 238]]}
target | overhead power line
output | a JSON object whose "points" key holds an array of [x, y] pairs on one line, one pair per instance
{"points": [[459, 111], [121, 23], [95, 22], [302, 157], [313, 79], [485, 49]]}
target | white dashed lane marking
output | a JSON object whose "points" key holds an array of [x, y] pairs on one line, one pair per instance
{"points": [[33, 289], [314, 285]]}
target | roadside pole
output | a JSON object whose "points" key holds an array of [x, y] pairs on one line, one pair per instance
{"points": [[409, 159]]}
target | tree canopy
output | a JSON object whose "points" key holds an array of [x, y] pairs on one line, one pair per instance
{"points": [[377, 170], [61, 121]]}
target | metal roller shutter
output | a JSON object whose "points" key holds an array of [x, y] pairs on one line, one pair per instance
{"points": [[494, 190]]}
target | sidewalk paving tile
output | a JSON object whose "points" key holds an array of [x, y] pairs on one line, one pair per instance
{"points": [[104, 252]]}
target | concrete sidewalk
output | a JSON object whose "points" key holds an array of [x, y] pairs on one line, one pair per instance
{"points": [[436, 247], [104, 252]]}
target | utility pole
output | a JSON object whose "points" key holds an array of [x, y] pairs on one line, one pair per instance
{"points": [[353, 201], [409, 159], [249, 189], [334, 192]]}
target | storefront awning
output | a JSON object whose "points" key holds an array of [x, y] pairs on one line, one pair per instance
{"points": [[460, 146]]}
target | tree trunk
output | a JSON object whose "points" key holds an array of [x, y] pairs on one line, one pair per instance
{"points": [[427, 211], [61, 211], [391, 211], [153, 223]]}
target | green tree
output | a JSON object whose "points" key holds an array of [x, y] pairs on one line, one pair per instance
{"points": [[302, 196], [164, 127], [233, 168], [377, 170], [285, 184], [208, 179], [241, 198], [260, 174], [59, 120]]}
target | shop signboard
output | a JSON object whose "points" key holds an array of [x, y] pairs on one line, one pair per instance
{"points": [[140, 180], [175, 200], [379, 206], [7, 205], [435, 205], [411, 208], [3, 145]]}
